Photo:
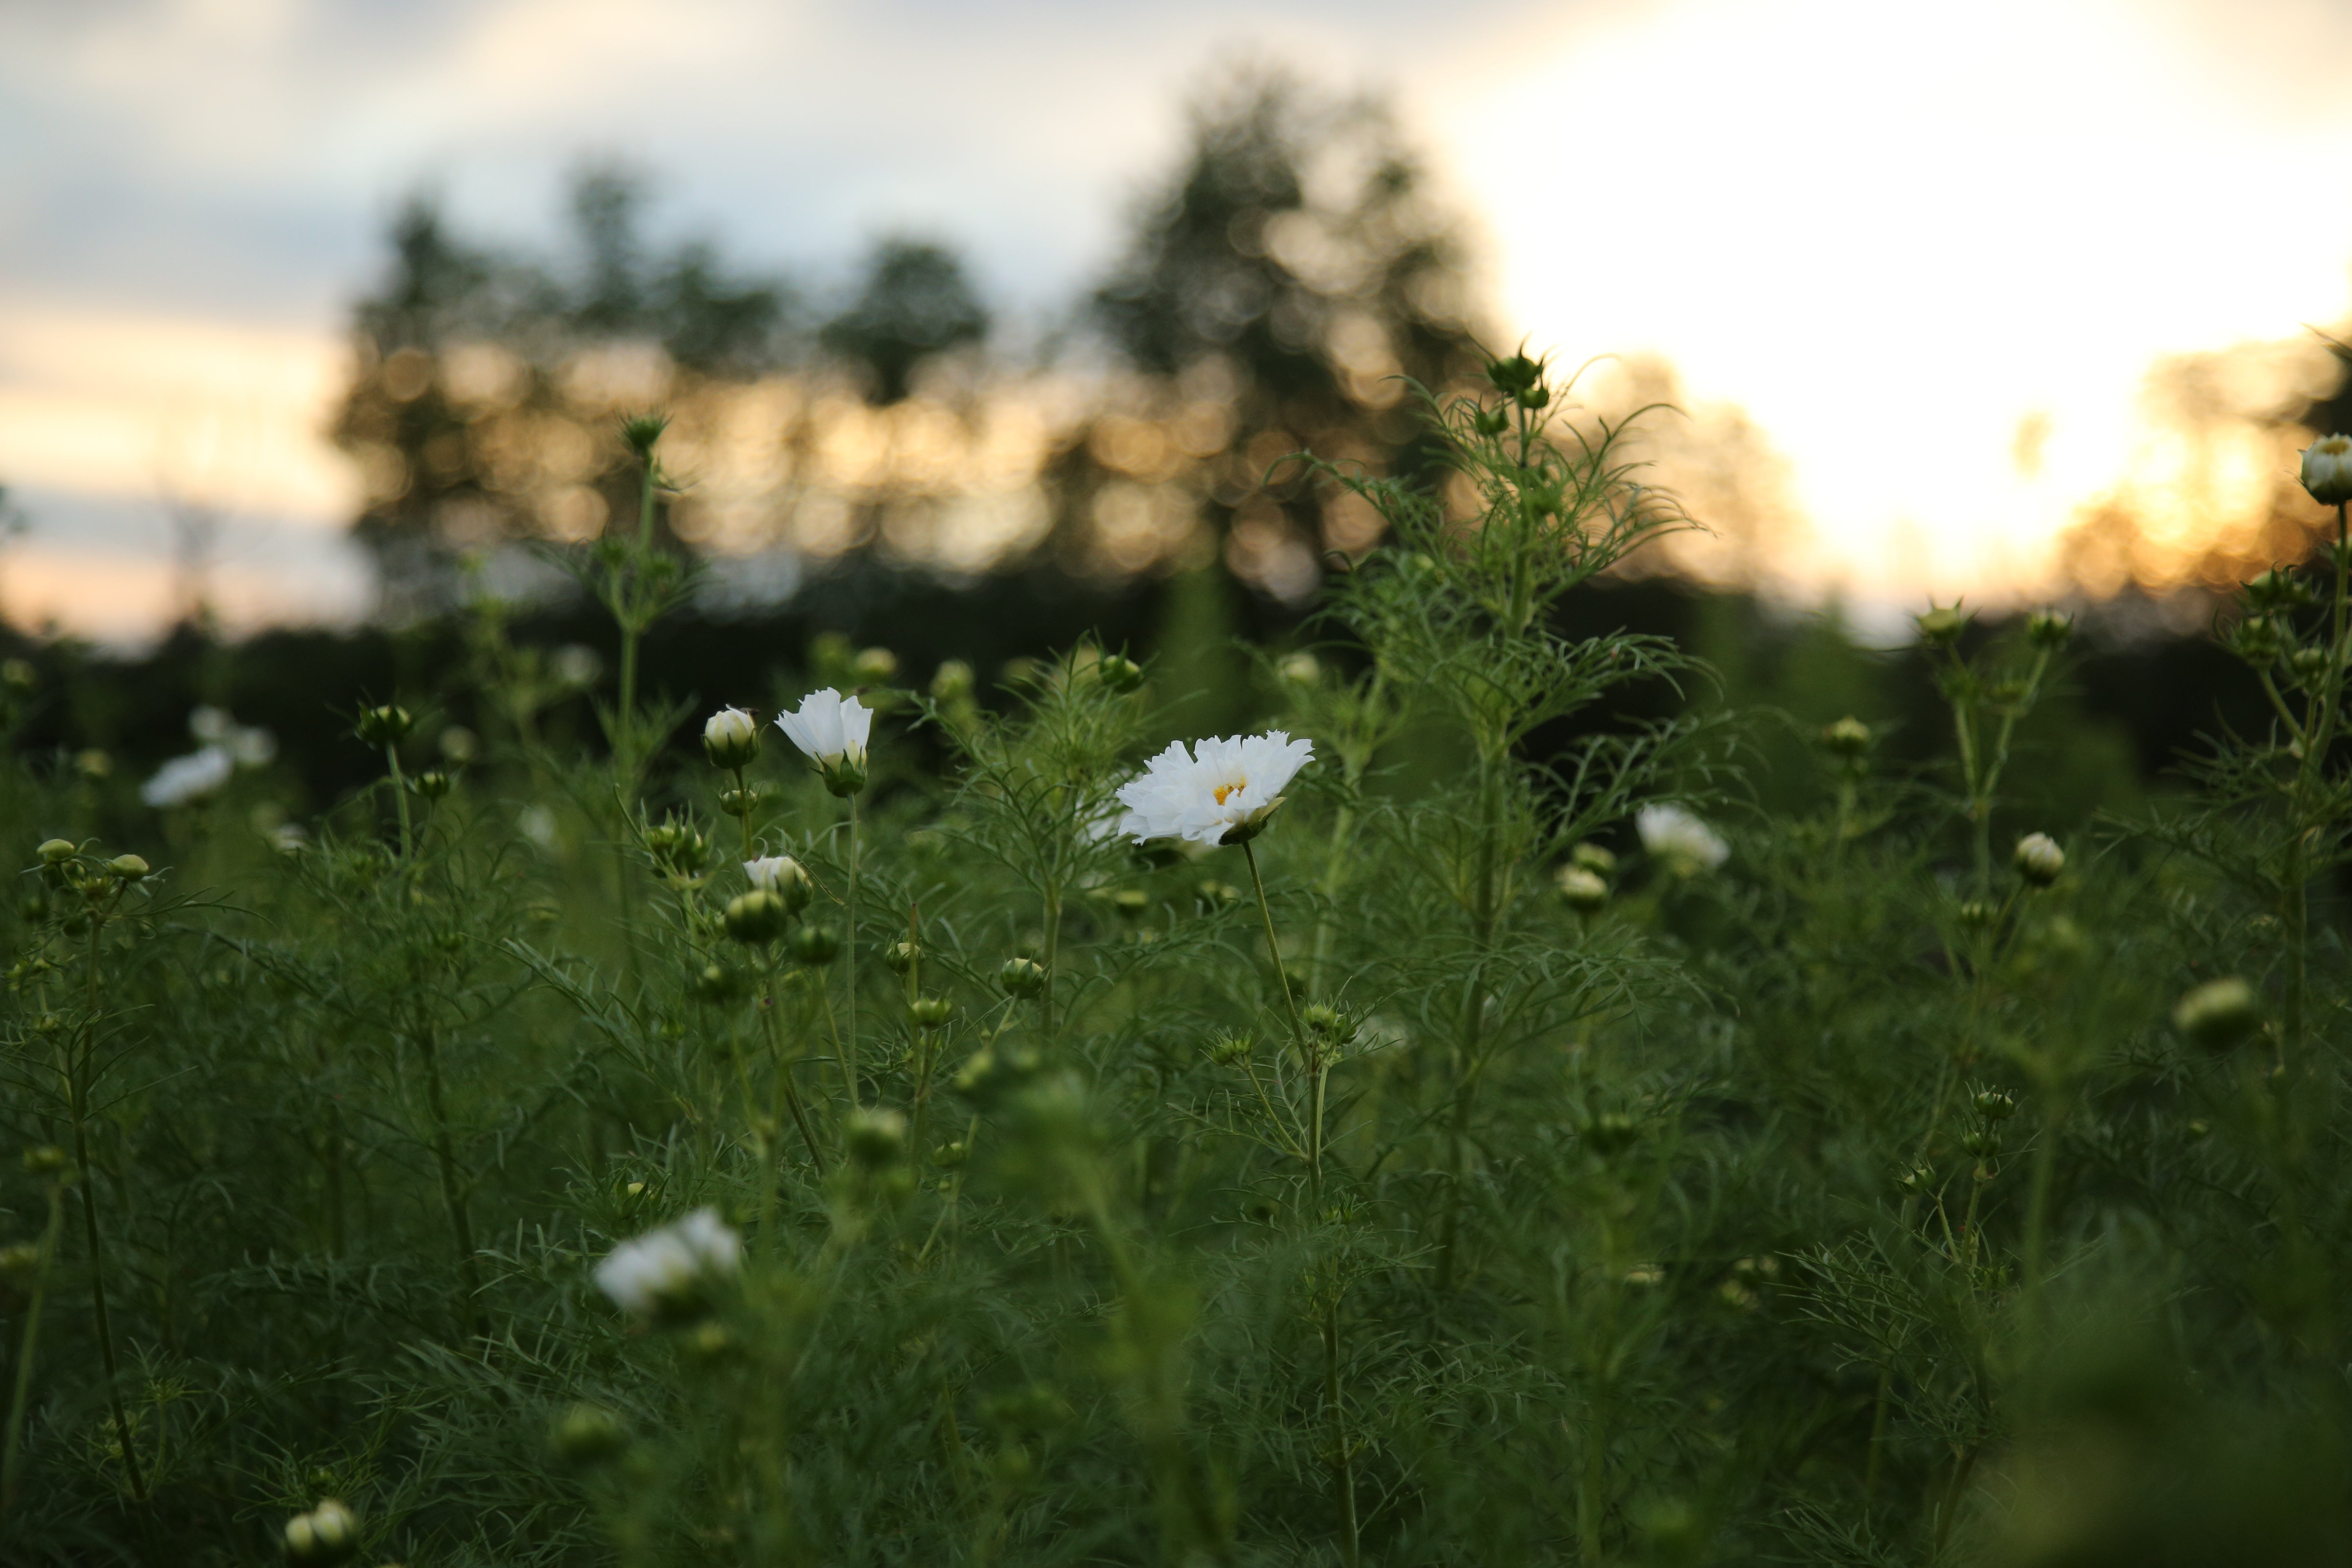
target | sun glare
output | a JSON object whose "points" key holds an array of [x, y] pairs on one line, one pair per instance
{"points": [[1938, 260]]}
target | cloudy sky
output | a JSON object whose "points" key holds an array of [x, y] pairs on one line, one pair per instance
{"points": [[1932, 253]]}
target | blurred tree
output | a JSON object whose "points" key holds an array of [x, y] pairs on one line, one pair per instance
{"points": [[488, 390], [916, 303], [1274, 290]]}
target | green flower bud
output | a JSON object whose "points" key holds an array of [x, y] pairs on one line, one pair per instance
{"points": [[1849, 737], [1229, 1051], [2218, 1014], [55, 851], [1514, 375], [1022, 977], [1490, 421], [2258, 640], [815, 945], [328, 1533], [1594, 858], [1585, 890], [45, 1160], [643, 432], [2039, 859], [1327, 1023], [717, 983], [2277, 589], [1994, 1105], [92, 763], [587, 1435], [1611, 1132], [873, 666], [730, 739], [951, 1155], [1941, 625], [2309, 665], [877, 1137], [952, 682], [756, 917], [1119, 673], [385, 726], [1982, 1142], [127, 868], [929, 1012], [900, 956], [2049, 630], [433, 785]]}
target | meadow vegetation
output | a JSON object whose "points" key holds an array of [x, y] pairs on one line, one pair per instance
{"points": [[1472, 1123]]}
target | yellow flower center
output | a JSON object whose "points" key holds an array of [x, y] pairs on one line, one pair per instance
{"points": [[1224, 789]]}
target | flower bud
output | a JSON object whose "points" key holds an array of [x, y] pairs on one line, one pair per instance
{"points": [[1611, 1131], [587, 1435], [951, 1155], [1977, 914], [1119, 673], [1300, 668], [55, 851], [2327, 469], [2049, 630], [717, 983], [738, 801], [92, 763], [877, 1137], [1490, 421], [929, 1012], [900, 956], [1022, 977], [678, 847], [1995, 1105], [1514, 375], [756, 917], [1585, 892], [2277, 589], [2039, 859], [1849, 738], [643, 432], [1594, 858], [952, 682], [843, 775], [328, 1533], [815, 945], [873, 666], [1327, 1023], [127, 868], [431, 785], [387, 725], [576, 666], [1941, 625], [2218, 1014], [2309, 665], [784, 877], [45, 1160], [1981, 1142], [2258, 640], [1227, 1050], [730, 738]]}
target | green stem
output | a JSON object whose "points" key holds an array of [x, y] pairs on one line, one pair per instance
{"points": [[399, 798], [1343, 1459], [12, 1459], [2037, 1206], [743, 811], [78, 1106], [849, 965], [453, 1197]]}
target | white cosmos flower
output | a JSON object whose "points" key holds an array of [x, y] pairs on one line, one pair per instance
{"points": [[1220, 791], [2327, 469], [192, 777], [1676, 836], [668, 1273], [831, 730]]}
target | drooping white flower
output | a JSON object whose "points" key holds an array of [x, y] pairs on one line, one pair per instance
{"points": [[669, 1274], [780, 874], [831, 732], [192, 777], [1676, 836], [2327, 469], [730, 738], [1220, 791]]}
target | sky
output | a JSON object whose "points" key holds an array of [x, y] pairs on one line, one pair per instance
{"points": [[1935, 256]]}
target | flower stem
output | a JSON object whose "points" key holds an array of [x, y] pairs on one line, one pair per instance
{"points": [[12, 1458], [452, 1196], [849, 966], [399, 797], [77, 1107]]}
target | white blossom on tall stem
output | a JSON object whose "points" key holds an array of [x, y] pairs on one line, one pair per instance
{"points": [[1678, 838], [668, 1275], [1221, 791], [831, 732]]}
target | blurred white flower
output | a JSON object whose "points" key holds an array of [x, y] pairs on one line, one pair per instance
{"points": [[780, 874], [1220, 791], [730, 738], [289, 838], [538, 825], [208, 724], [669, 1274], [831, 730], [251, 746], [576, 665], [2327, 469], [192, 777], [1674, 835]]}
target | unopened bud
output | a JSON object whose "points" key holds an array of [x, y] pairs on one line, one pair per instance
{"points": [[45, 1160], [1022, 977], [900, 956], [2049, 630], [644, 432], [873, 666], [385, 726], [2309, 665], [127, 868], [1228, 1051], [2277, 589], [1585, 892], [1849, 737], [815, 945], [2218, 1014], [1977, 914], [2327, 469], [929, 1012], [1981, 1142], [1329, 1023], [730, 739], [55, 851], [1490, 421], [1594, 858], [328, 1533], [1611, 1131], [950, 1155], [953, 681], [587, 1435], [717, 983], [1941, 625], [1994, 1105], [2258, 640], [784, 877], [756, 917], [1119, 673], [2039, 859], [431, 784], [877, 1137], [93, 763]]}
